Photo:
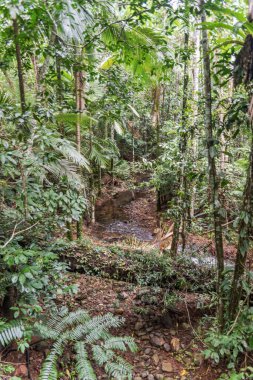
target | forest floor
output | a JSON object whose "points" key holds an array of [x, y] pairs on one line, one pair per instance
{"points": [[168, 348]]}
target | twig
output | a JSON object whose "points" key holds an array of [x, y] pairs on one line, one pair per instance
{"points": [[190, 322], [14, 233]]}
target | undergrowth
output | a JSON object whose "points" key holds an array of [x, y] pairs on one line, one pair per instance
{"points": [[144, 267]]}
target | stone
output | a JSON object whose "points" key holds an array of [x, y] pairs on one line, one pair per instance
{"points": [[144, 374], [147, 351], [155, 358], [138, 325], [137, 378], [167, 321], [122, 296], [167, 347], [167, 366], [151, 377], [175, 344], [157, 341], [21, 371], [172, 332], [159, 376], [119, 311]]}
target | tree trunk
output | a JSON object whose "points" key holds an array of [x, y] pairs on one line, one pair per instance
{"points": [[19, 65], [183, 191], [213, 181], [195, 82], [80, 106], [155, 117], [245, 228]]}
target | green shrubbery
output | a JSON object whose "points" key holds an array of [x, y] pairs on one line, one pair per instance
{"points": [[146, 268]]}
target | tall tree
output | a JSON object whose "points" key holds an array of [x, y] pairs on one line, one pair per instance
{"points": [[213, 180]]}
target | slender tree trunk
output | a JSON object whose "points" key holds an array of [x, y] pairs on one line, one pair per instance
{"points": [[183, 191], [19, 65], [36, 73], [195, 81], [213, 181], [245, 228], [58, 72], [155, 118], [80, 106]]}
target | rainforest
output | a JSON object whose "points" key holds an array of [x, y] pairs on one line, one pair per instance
{"points": [[126, 189]]}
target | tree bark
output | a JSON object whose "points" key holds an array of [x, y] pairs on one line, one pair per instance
{"points": [[80, 106], [245, 228], [183, 191], [213, 181], [19, 65]]}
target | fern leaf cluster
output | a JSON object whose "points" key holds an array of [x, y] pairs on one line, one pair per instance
{"points": [[91, 340], [10, 331]]}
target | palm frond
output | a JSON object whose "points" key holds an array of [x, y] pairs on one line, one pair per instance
{"points": [[69, 152]]}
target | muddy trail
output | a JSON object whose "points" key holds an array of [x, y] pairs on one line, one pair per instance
{"points": [[125, 213]]}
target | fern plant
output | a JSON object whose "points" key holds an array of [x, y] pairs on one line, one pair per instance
{"points": [[91, 340], [10, 331]]}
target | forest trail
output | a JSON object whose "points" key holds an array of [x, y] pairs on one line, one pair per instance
{"points": [[124, 213]]}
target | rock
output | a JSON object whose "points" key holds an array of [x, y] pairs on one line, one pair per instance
{"points": [[144, 374], [175, 344], [167, 366], [159, 376], [21, 371], [137, 378], [140, 333], [172, 332], [157, 341], [122, 296], [155, 358], [138, 325], [167, 347], [151, 377], [119, 311], [147, 351], [167, 321]]}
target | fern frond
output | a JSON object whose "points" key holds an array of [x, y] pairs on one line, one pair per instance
{"points": [[121, 343], [68, 117], [10, 331], [73, 318], [97, 327], [69, 152], [102, 356], [49, 368], [120, 370], [83, 366]]}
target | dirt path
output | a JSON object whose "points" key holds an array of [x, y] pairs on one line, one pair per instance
{"points": [[124, 214]]}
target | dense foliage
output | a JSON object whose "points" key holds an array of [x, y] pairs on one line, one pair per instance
{"points": [[96, 88]]}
